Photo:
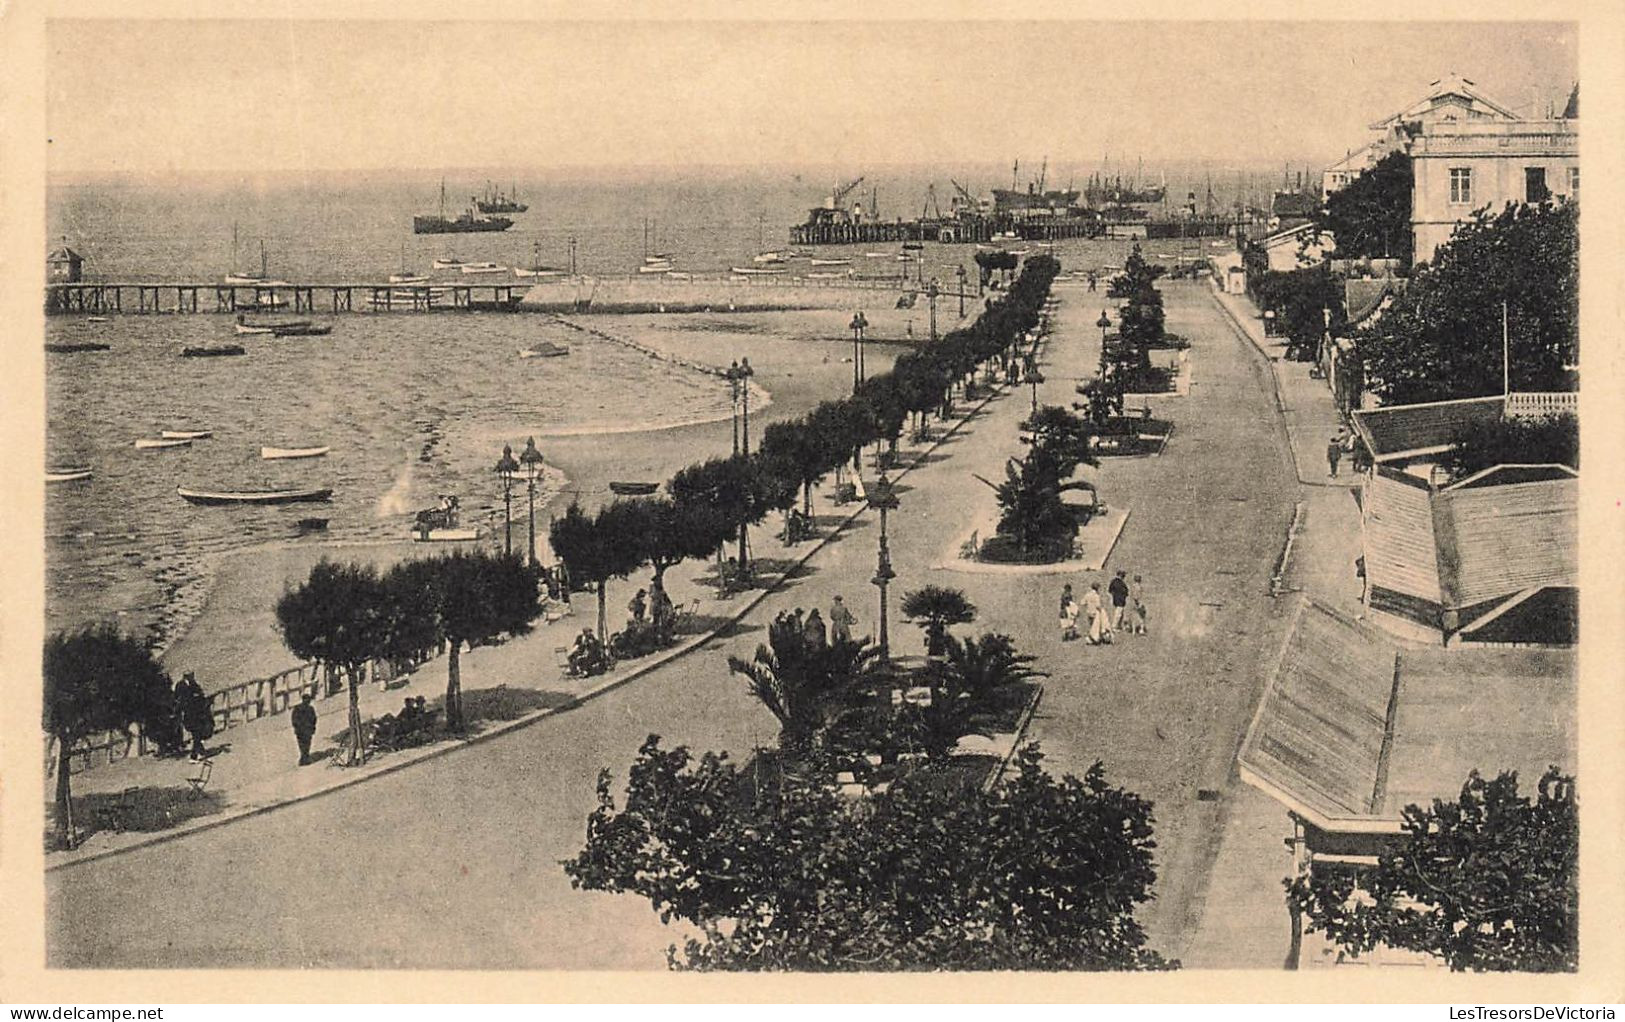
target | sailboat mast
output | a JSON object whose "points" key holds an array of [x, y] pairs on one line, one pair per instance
{"points": [[263, 271]]}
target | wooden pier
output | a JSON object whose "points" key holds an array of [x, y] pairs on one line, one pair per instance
{"points": [[962, 230], [105, 298]]}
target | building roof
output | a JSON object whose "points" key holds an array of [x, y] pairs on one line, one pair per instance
{"points": [[1401, 549], [1496, 541], [1288, 231], [1350, 729], [63, 254], [1571, 110], [1445, 88], [1407, 431]]}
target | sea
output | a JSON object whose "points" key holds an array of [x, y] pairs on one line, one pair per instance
{"points": [[412, 406]]}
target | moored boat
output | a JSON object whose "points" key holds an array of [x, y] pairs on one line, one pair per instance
{"points": [[62, 349], [466, 222], [447, 264], [770, 258], [459, 535], [544, 350], [216, 497], [655, 266], [300, 330], [312, 524], [757, 271], [209, 352], [832, 262], [186, 434], [66, 474], [633, 489], [408, 278], [483, 268], [243, 329], [147, 443], [274, 453]]}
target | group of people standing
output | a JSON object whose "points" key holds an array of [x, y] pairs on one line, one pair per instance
{"points": [[1121, 607]]}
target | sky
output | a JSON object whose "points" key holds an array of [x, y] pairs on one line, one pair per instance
{"points": [[145, 97]]}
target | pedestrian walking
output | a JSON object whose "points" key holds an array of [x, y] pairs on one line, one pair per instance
{"points": [[1119, 593], [1140, 612], [638, 605], [1069, 614], [841, 621], [1100, 627], [1334, 454], [304, 727]]}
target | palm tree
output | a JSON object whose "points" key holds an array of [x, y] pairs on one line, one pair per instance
{"points": [[982, 668], [806, 687], [935, 608]]}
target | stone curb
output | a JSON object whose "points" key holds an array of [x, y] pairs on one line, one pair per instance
{"points": [[443, 748]]}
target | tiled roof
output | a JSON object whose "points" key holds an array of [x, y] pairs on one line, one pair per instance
{"points": [[1362, 298], [1403, 430]]}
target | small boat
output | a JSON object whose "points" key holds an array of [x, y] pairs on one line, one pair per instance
{"points": [[544, 350], [208, 352], [312, 524], [877, 255], [827, 276], [483, 268], [147, 444], [832, 262], [655, 266], [263, 300], [62, 349], [186, 434], [538, 271], [633, 489], [243, 329], [447, 264], [913, 246], [97, 319], [274, 453], [756, 271], [66, 474], [770, 258], [460, 535], [216, 497], [408, 278], [680, 275], [300, 330]]}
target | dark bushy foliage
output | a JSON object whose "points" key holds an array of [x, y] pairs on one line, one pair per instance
{"points": [[1552, 440]]}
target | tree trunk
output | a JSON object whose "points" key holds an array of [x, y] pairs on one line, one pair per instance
{"points": [[806, 497], [64, 795], [356, 746], [454, 684], [603, 613]]}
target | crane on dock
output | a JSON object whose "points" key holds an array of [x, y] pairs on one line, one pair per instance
{"points": [[965, 197], [839, 193]]}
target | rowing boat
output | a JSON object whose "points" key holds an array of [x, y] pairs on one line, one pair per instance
{"points": [[756, 271], [148, 444], [64, 348], [628, 489], [243, 329], [832, 262], [225, 349], [546, 350], [445, 535], [254, 496], [483, 268], [186, 434], [66, 474], [274, 453], [300, 330]]}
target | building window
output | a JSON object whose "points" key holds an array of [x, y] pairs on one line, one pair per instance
{"points": [[1534, 185], [1574, 182], [1461, 185]]}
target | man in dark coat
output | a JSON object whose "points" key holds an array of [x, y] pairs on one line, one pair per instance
{"points": [[195, 714], [1119, 594], [304, 727]]}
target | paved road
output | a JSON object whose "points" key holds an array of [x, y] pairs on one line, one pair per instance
{"points": [[454, 863]]}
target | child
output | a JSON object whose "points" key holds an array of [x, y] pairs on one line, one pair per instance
{"points": [[1138, 627]]}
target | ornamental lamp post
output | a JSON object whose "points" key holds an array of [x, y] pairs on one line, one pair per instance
{"points": [[1035, 377], [531, 459], [745, 373], [507, 468], [960, 273], [883, 499], [857, 326], [732, 375], [931, 292]]}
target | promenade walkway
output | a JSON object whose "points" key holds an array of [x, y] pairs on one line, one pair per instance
{"points": [[454, 863]]}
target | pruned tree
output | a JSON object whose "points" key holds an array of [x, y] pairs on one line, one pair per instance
{"points": [[598, 548], [473, 598], [1487, 882], [1370, 217], [339, 617], [97, 679]]}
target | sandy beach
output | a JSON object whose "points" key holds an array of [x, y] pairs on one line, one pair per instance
{"points": [[800, 358]]}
